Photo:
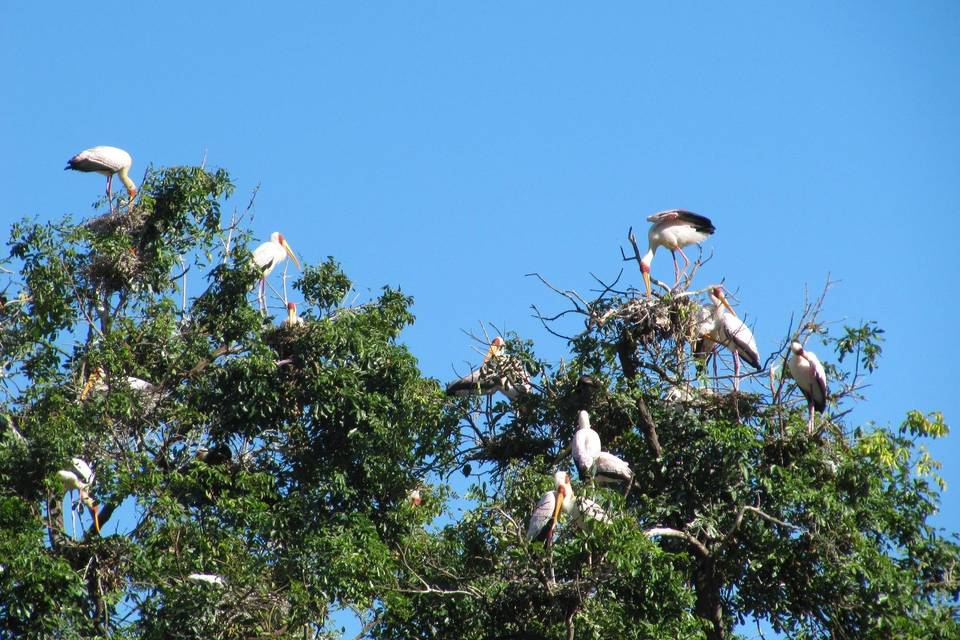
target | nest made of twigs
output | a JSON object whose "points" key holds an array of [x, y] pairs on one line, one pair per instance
{"points": [[649, 320], [128, 222], [114, 272]]}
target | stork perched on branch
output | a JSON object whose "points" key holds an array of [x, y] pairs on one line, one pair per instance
{"points": [[543, 520], [806, 369], [591, 461], [80, 480], [498, 372], [722, 326], [267, 256]]}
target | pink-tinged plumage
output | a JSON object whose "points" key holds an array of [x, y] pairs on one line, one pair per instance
{"points": [[733, 333], [674, 230], [811, 378], [106, 161]]}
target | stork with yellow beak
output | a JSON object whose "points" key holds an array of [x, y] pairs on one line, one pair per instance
{"points": [[498, 372], [806, 369], [267, 256], [72, 482], [105, 161], [543, 520], [733, 333], [292, 319], [674, 230]]}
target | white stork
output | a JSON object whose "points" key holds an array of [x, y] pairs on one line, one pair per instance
{"points": [[105, 161], [292, 319], [733, 333], [591, 461], [674, 230], [806, 369], [543, 520], [498, 372], [267, 256]]}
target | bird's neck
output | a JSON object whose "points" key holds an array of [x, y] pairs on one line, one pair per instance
{"points": [[647, 259], [125, 177]]}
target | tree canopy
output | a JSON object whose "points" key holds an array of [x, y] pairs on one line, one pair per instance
{"points": [[266, 477]]}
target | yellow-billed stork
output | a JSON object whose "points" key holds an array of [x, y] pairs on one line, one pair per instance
{"points": [[292, 319], [806, 369], [267, 256], [591, 461], [674, 230], [105, 161], [733, 333], [543, 520], [498, 372]]}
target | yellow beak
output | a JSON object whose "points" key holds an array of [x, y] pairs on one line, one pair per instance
{"points": [[561, 493], [91, 381], [646, 282], [290, 253], [723, 299]]}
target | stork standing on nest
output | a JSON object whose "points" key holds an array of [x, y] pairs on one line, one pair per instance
{"points": [[106, 161], [674, 230], [267, 256]]}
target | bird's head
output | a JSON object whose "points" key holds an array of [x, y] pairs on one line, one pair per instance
{"points": [[279, 239], [291, 309], [562, 480], [645, 272], [718, 298], [796, 348], [496, 346], [132, 190]]}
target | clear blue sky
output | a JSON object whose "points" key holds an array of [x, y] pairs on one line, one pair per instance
{"points": [[451, 149]]}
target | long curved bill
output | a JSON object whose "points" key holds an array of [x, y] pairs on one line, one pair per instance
{"points": [[646, 283], [290, 253], [561, 493], [95, 377], [723, 299]]}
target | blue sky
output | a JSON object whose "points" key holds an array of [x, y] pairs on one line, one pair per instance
{"points": [[450, 150]]}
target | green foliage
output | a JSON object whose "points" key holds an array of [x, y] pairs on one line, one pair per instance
{"points": [[279, 463]]}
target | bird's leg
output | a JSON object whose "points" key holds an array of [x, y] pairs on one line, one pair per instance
{"points": [[686, 260], [736, 371], [676, 267], [262, 296], [810, 421], [110, 191]]}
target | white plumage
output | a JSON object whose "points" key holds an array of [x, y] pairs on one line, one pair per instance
{"points": [[733, 333], [591, 461], [543, 520], [149, 394], [206, 578], [292, 318], [72, 482], [673, 230], [806, 369], [586, 445], [106, 161], [272, 252]]}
